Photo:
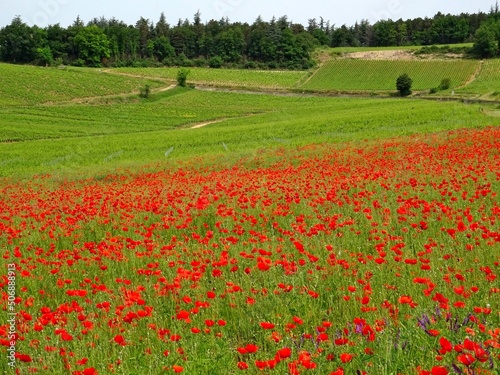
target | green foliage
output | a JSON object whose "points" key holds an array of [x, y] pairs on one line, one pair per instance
{"points": [[182, 75], [17, 42], [486, 41], [145, 91], [445, 84], [215, 62], [404, 84], [92, 45], [44, 56]]}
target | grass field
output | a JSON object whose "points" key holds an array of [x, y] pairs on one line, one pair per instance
{"points": [[363, 75], [299, 234], [68, 138]]}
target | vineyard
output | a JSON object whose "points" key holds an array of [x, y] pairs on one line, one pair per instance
{"points": [[487, 81], [366, 75], [28, 85], [269, 79], [71, 138]]}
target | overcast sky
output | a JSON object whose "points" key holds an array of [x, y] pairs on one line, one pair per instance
{"points": [[64, 12]]}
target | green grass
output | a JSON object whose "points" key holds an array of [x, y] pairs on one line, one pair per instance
{"points": [[28, 85], [163, 111], [487, 81], [269, 79], [144, 133], [366, 75]]}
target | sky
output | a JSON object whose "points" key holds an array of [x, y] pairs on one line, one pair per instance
{"points": [[64, 12]]}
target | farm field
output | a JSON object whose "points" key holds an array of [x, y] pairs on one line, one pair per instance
{"points": [[29, 85], [268, 79], [362, 75], [214, 232], [78, 138], [487, 81], [380, 259]]}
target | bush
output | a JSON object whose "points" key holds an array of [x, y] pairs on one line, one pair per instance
{"points": [[215, 62], [145, 91], [182, 75], [403, 84], [445, 84]]}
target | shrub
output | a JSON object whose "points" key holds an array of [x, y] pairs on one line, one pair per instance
{"points": [[182, 75], [403, 84], [145, 91], [445, 84], [215, 62]]}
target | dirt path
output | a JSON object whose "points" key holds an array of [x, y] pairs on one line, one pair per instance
{"points": [[202, 124]]}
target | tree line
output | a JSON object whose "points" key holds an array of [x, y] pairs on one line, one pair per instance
{"points": [[278, 43]]}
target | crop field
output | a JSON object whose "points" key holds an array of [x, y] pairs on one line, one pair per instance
{"points": [[28, 85], [214, 232], [72, 138], [363, 75], [487, 81], [270, 79]]}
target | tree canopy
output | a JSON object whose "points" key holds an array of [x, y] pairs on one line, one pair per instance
{"points": [[278, 43]]}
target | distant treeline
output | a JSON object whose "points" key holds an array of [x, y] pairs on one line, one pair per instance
{"points": [[277, 43]]}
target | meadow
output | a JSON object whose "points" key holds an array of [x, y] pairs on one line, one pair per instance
{"points": [[296, 234]]}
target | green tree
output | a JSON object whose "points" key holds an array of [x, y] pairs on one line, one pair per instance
{"points": [[44, 56], [92, 45], [17, 44], [182, 75], [403, 84], [485, 41], [162, 49]]}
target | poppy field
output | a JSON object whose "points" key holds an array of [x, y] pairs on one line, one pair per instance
{"points": [[355, 258]]}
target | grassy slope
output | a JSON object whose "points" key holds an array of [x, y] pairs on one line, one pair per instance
{"points": [[27, 85]]}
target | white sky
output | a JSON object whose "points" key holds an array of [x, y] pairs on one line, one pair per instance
{"points": [[64, 12]]}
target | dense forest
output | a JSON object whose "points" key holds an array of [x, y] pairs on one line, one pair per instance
{"points": [[277, 43]]}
